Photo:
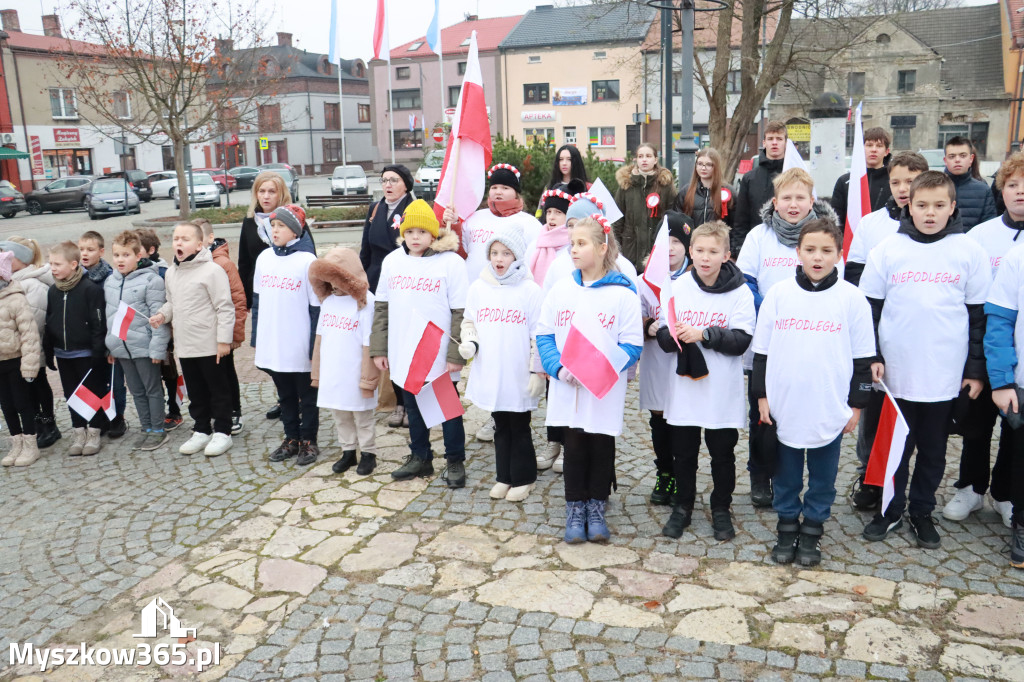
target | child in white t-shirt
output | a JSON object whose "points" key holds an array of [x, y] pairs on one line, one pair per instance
{"points": [[502, 308], [655, 364], [768, 256], [813, 349], [422, 281], [344, 386], [926, 285], [714, 322], [602, 300]]}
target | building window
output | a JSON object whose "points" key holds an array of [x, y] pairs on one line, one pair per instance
{"points": [[677, 82], [63, 103], [855, 83], [602, 137], [883, 39], [402, 73], [901, 138], [462, 68], [545, 136], [122, 105], [332, 121], [364, 113], [600, 54], [606, 91], [269, 118], [465, 43], [533, 59], [453, 95], [405, 99], [732, 83], [535, 93], [415, 46], [408, 139], [332, 151], [906, 82], [569, 135], [849, 136], [975, 132]]}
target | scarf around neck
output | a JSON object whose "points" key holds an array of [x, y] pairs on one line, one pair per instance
{"points": [[71, 282], [505, 207], [786, 232], [263, 227], [517, 272], [547, 247]]}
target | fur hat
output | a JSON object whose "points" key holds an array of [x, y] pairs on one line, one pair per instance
{"points": [[291, 215], [5, 265], [339, 269], [584, 205], [680, 226], [403, 173], [418, 214], [504, 174], [512, 237]]}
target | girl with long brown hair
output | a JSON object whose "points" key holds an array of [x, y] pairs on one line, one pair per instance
{"points": [[707, 198]]}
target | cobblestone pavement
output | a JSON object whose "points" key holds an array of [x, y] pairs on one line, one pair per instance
{"points": [[304, 574]]}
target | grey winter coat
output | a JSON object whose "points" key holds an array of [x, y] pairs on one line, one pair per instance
{"points": [[143, 290]]}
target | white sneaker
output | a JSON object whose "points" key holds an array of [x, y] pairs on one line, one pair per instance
{"points": [[519, 493], [557, 466], [546, 458], [963, 503], [499, 491], [486, 432], [1005, 510], [218, 445], [196, 443]]}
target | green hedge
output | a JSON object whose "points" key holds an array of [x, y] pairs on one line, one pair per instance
{"points": [[236, 214]]}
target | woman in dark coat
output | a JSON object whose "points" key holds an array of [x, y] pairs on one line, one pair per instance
{"points": [[269, 191]]}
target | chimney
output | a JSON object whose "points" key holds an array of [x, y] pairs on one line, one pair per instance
{"points": [[284, 39], [224, 45], [9, 17], [472, 17], [51, 26]]}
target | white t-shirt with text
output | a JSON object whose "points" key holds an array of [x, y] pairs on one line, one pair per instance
{"points": [[344, 330], [481, 226], [283, 326]]}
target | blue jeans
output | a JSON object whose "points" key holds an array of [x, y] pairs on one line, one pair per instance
{"points": [[419, 434], [822, 468]]}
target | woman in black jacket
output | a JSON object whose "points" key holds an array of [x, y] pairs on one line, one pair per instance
{"points": [[269, 191], [707, 198]]}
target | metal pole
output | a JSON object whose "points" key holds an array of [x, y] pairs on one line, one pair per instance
{"points": [[666, 84], [391, 115], [1015, 143], [341, 121], [440, 77], [686, 148], [764, 39], [184, 114], [227, 182]]}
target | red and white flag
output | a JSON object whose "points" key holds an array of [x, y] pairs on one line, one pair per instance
{"points": [[592, 356], [858, 200], [656, 272], [438, 401], [668, 304], [381, 44], [468, 155], [122, 320], [86, 403], [887, 451], [416, 355], [180, 392]]}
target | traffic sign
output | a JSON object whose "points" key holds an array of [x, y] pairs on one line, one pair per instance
{"points": [[264, 143], [438, 135]]}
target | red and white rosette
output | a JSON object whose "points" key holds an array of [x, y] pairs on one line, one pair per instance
{"points": [[726, 198], [653, 200]]}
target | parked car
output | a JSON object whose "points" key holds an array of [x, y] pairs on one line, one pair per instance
{"points": [[290, 178], [139, 181], [207, 191], [348, 180], [161, 183], [69, 192], [226, 181], [276, 166], [244, 175], [429, 171], [11, 200], [107, 197]]}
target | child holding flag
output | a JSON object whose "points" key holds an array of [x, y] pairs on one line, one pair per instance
{"points": [[590, 333], [134, 292], [422, 288], [500, 320], [813, 325], [20, 353]]}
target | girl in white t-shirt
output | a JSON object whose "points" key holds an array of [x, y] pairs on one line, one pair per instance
{"points": [[597, 312], [346, 387], [500, 320]]}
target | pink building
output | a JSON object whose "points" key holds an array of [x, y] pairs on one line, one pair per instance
{"points": [[416, 105]]}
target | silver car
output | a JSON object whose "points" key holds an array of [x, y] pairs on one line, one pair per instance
{"points": [[206, 189], [107, 197]]}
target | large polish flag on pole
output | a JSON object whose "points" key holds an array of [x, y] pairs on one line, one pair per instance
{"points": [[858, 202], [380, 33], [592, 356], [468, 155], [887, 450]]}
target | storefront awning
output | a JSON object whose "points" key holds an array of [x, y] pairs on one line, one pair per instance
{"points": [[8, 153]]}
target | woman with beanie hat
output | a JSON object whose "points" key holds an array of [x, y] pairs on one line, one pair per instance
{"points": [[20, 357], [380, 237], [502, 309], [423, 281]]}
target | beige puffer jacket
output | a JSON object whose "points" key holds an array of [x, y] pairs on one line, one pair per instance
{"points": [[198, 306], [19, 334], [36, 281]]}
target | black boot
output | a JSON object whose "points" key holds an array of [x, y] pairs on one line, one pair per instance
{"points": [[47, 432], [677, 522], [785, 547], [807, 552], [761, 489], [866, 497], [367, 463], [348, 458], [664, 488]]}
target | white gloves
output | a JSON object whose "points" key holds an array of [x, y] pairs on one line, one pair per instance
{"points": [[566, 376], [467, 349], [536, 386]]}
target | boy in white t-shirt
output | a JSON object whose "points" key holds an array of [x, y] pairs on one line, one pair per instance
{"points": [[926, 286], [422, 281], [998, 237], [714, 315], [768, 256], [813, 352], [873, 228], [342, 371]]}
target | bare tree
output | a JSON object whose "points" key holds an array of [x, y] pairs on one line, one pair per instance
{"points": [[172, 58], [885, 7]]}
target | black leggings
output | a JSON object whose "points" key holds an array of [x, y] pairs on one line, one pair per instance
{"points": [[42, 394], [231, 376], [514, 456], [169, 374], [661, 437], [588, 466], [685, 450], [17, 401], [976, 453]]}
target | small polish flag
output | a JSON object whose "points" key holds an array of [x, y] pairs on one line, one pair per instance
{"points": [[438, 401], [657, 269], [421, 347], [87, 404], [180, 392], [123, 319], [887, 450], [592, 356], [858, 198], [668, 304]]}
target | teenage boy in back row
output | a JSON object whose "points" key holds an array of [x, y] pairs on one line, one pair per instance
{"points": [[926, 285]]}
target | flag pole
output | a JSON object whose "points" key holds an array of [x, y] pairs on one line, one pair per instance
{"points": [[391, 108], [341, 118], [454, 156], [440, 77]]}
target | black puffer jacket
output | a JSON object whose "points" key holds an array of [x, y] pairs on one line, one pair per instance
{"points": [[755, 189], [380, 237], [878, 189], [704, 210], [974, 199], [76, 319]]}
